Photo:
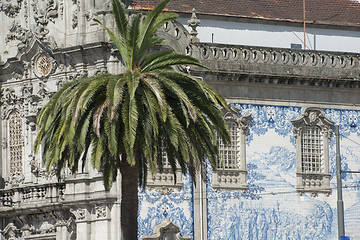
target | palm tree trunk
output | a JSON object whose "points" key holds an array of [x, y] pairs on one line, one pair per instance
{"points": [[129, 200]]}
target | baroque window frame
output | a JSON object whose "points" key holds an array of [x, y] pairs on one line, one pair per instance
{"points": [[230, 178], [164, 182], [10, 178], [308, 180]]}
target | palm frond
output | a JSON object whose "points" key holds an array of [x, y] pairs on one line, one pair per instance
{"points": [[120, 42], [120, 17], [135, 116], [168, 60]]}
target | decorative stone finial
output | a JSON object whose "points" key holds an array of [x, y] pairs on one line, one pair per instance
{"points": [[194, 22]]}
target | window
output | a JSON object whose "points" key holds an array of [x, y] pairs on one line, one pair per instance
{"points": [[230, 154], [312, 135], [311, 150], [295, 46], [164, 182], [231, 169], [15, 148]]}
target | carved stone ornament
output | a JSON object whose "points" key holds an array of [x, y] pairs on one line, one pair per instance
{"points": [[75, 15], [233, 115], [100, 211], [9, 97], [43, 65], [44, 11], [38, 171], [15, 180], [38, 225], [312, 116], [163, 190], [79, 213], [11, 232], [4, 143], [17, 32], [166, 230], [194, 22], [10, 7]]}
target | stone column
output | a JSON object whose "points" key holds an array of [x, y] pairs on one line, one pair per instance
{"points": [[100, 226], [200, 208], [82, 223], [298, 158]]}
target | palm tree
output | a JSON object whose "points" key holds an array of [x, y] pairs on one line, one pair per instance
{"points": [[127, 120]]}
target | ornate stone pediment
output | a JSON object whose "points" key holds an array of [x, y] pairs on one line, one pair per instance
{"points": [[33, 57], [166, 230], [233, 115], [312, 116]]}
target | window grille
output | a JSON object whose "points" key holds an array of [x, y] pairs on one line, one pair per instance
{"points": [[164, 181], [165, 159], [15, 144], [312, 150], [230, 153]]}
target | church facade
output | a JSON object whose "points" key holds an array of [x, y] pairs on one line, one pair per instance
{"points": [[277, 178]]}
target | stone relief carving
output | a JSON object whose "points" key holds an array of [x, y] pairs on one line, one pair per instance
{"points": [[61, 9], [4, 143], [75, 15], [28, 226], [79, 213], [38, 171], [100, 211], [163, 190], [101, 69], [234, 116], [312, 116], [15, 180], [17, 32], [89, 15], [26, 11], [27, 89], [44, 11], [166, 230], [43, 92], [43, 65], [27, 103], [11, 232], [11, 8], [9, 97]]}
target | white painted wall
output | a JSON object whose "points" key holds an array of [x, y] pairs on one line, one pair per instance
{"points": [[267, 35]]}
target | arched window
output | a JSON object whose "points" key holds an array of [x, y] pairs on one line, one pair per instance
{"points": [[15, 140]]}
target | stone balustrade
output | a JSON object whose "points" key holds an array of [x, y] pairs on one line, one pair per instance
{"points": [[20, 197], [291, 63]]}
